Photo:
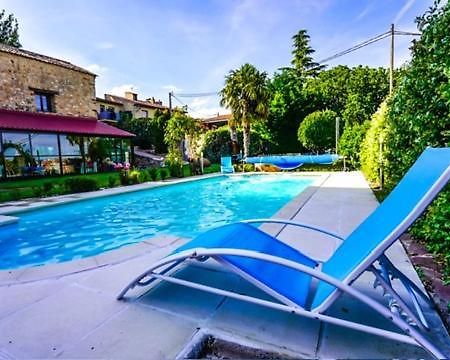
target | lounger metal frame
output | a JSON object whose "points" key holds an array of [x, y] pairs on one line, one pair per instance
{"points": [[397, 311]]}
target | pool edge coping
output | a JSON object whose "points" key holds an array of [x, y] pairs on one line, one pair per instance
{"points": [[25, 275]]}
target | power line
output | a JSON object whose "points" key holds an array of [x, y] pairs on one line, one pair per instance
{"points": [[366, 43], [183, 104], [398, 32], [321, 62], [356, 47], [211, 93]]}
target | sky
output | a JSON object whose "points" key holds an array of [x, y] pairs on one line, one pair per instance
{"points": [[188, 46]]}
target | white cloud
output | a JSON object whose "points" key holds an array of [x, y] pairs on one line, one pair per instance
{"points": [[364, 12], [119, 90], [96, 68], [199, 102], [171, 87], [206, 112], [105, 45], [403, 11], [205, 107]]}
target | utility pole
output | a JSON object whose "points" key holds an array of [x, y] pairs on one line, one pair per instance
{"points": [[337, 134], [170, 102], [391, 67]]}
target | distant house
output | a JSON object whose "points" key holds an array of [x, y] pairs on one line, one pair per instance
{"points": [[112, 107], [216, 121], [48, 119]]}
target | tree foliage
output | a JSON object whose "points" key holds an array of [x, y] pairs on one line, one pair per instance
{"points": [[350, 142], [302, 60], [247, 94], [353, 93], [317, 131], [217, 142], [419, 116], [9, 30], [179, 127], [287, 108], [149, 131]]}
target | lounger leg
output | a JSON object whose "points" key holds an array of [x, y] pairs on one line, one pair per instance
{"points": [[149, 273]]}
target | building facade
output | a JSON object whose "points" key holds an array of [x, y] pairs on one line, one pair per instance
{"points": [[216, 121], [112, 108], [48, 119]]}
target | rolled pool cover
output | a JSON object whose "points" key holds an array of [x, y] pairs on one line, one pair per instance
{"points": [[292, 161]]}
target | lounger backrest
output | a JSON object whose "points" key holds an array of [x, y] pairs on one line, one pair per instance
{"points": [[225, 161], [394, 216]]}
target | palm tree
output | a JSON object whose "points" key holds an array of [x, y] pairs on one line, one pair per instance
{"points": [[247, 94]]}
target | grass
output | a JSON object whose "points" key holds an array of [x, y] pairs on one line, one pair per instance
{"points": [[48, 186]]}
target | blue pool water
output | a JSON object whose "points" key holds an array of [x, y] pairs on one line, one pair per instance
{"points": [[90, 227]]}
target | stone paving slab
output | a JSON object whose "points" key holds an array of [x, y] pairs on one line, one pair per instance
{"points": [[75, 314], [135, 333], [44, 329]]}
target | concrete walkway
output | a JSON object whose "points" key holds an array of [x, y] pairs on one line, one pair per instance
{"points": [[77, 316]]}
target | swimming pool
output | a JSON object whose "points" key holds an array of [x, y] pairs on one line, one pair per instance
{"points": [[89, 227]]}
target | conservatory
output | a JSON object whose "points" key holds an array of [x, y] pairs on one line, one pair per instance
{"points": [[37, 144]]}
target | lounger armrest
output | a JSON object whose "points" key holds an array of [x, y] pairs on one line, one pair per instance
{"points": [[294, 223]]}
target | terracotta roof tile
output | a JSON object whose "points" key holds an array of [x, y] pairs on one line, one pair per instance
{"points": [[43, 58]]}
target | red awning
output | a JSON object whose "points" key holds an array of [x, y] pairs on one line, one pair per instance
{"points": [[54, 123]]}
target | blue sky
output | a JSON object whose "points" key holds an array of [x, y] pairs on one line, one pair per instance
{"points": [[188, 46]]}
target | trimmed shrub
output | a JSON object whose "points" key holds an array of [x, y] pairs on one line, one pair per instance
{"points": [[370, 157], [163, 173], [153, 173], [47, 188], [351, 140], [318, 130], [111, 181], [81, 184], [175, 169], [134, 177], [419, 116], [123, 177]]}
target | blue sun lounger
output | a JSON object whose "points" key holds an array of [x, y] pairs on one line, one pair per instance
{"points": [[226, 166], [291, 162], [286, 274]]}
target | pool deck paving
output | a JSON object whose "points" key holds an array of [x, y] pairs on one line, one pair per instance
{"points": [[70, 311]]}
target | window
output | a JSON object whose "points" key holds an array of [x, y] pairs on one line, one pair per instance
{"points": [[145, 113], [45, 154], [17, 154], [44, 102]]}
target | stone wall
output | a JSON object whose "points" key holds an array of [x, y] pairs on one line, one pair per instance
{"points": [[74, 91]]}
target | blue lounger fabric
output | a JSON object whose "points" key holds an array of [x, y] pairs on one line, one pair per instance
{"points": [[226, 165], [292, 284], [360, 245]]}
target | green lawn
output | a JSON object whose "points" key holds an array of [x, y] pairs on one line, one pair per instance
{"points": [[48, 186]]}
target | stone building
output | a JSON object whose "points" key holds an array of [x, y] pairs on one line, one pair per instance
{"points": [[112, 107], [215, 121], [48, 119], [34, 82]]}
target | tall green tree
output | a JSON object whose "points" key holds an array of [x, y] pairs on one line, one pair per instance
{"points": [[9, 30], [302, 60], [246, 94]]}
